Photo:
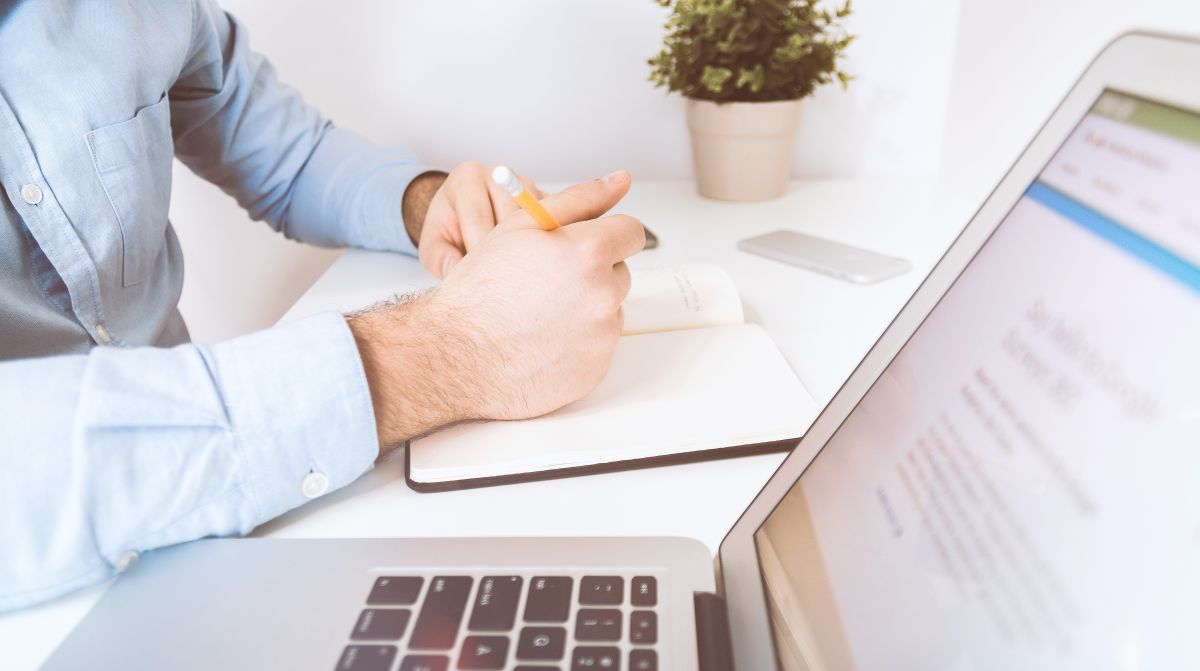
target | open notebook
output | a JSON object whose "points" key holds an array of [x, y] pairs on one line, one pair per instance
{"points": [[689, 381]]}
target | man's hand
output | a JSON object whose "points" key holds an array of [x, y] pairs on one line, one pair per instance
{"points": [[522, 326], [447, 215]]}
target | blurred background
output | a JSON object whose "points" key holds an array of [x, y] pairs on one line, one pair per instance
{"points": [[944, 89]]}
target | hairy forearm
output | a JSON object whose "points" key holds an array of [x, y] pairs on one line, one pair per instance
{"points": [[416, 201], [417, 364]]}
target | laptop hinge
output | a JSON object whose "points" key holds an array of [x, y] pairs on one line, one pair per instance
{"points": [[712, 633]]}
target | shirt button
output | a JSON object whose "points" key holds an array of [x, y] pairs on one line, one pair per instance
{"points": [[31, 194], [103, 335], [126, 560], [314, 485]]}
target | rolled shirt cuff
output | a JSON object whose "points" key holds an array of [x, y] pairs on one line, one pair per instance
{"points": [[300, 405]]}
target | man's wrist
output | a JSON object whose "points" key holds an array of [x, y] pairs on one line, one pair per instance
{"points": [[415, 203], [414, 368]]}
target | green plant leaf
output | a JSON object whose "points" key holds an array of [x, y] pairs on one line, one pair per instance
{"points": [[752, 78], [714, 79]]}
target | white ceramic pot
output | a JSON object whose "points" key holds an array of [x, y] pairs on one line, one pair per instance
{"points": [[742, 151]]}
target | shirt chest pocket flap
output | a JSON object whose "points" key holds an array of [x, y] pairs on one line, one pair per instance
{"points": [[133, 161]]}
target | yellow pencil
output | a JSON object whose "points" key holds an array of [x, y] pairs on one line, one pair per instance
{"points": [[507, 180]]}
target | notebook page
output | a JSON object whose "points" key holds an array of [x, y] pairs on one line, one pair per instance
{"points": [[665, 393], [684, 296]]}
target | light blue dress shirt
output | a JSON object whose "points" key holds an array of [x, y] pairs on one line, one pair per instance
{"points": [[117, 436]]}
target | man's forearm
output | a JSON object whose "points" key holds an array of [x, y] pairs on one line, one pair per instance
{"points": [[416, 201]]}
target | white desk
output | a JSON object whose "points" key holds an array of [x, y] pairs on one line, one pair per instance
{"points": [[824, 327]]}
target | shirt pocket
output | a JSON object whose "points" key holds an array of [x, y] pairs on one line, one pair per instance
{"points": [[133, 162]]}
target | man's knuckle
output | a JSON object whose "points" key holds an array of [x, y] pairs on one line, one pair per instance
{"points": [[621, 291], [590, 251], [602, 319], [470, 167]]}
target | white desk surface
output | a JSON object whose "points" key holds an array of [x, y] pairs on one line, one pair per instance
{"points": [[824, 327]]}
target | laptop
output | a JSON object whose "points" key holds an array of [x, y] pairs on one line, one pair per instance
{"points": [[1008, 479]]}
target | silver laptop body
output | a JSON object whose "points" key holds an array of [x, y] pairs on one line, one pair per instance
{"points": [[981, 533]]}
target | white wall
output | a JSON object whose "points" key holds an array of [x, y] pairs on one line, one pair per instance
{"points": [[1014, 62], [557, 88]]}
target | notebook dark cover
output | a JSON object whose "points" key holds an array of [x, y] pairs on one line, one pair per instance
{"points": [[594, 469]]}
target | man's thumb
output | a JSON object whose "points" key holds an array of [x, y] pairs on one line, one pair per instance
{"points": [[588, 200]]}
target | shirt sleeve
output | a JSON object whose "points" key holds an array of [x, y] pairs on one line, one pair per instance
{"points": [[146, 447], [237, 126]]}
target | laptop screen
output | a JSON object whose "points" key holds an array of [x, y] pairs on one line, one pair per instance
{"points": [[1021, 486]]}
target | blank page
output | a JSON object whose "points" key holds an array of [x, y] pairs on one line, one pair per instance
{"points": [[665, 394], [683, 296]]}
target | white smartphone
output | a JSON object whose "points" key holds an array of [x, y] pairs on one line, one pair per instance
{"points": [[827, 257]]}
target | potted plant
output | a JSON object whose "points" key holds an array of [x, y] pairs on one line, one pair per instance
{"points": [[744, 66]]}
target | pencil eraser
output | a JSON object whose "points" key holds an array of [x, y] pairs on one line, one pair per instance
{"points": [[505, 179]]}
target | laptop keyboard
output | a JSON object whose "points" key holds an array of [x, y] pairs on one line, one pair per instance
{"points": [[506, 623]]}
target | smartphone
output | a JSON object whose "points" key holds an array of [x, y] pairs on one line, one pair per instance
{"points": [[827, 257], [651, 239]]}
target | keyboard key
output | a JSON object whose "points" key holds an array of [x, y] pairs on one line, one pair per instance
{"points": [[644, 591], [598, 624], [380, 624], [437, 625], [496, 603], [643, 660], [367, 658], [549, 599], [587, 658], [542, 643], [395, 591], [425, 663], [643, 626], [601, 590], [483, 652]]}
